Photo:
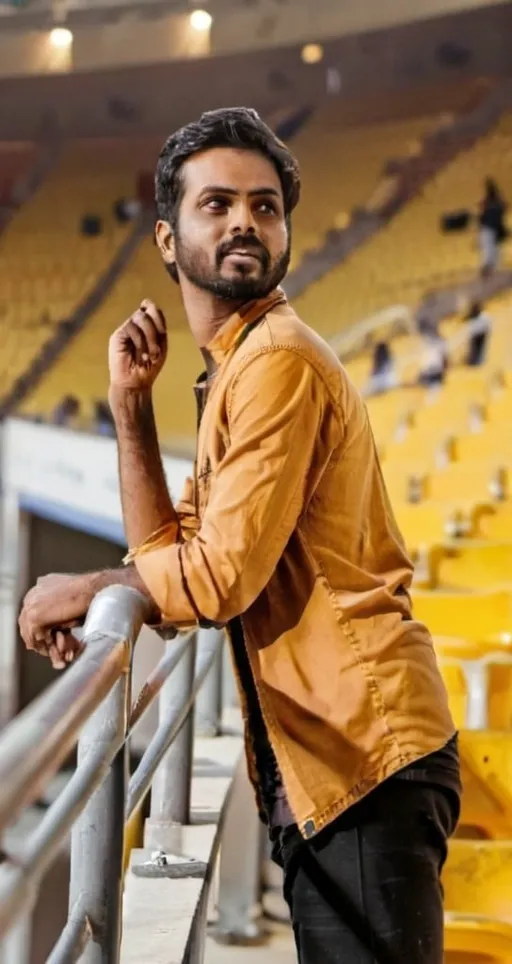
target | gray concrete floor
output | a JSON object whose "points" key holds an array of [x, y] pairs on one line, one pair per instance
{"points": [[279, 950]]}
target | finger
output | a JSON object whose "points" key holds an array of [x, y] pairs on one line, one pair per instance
{"points": [[56, 659], [78, 648], [154, 340], [67, 645], [33, 639], [65, 640], [135, 341], [39, 647], [149, 308]]}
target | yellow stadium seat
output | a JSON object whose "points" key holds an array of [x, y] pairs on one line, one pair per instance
{"points": [[387, 411], [500, 410], [457, 689], [470, 564], [491, 441], [432, 447], [477, 878], [496, 524], [476, 940], [428, 522], [47, 264], [425, 522], [486, 770], [469, 480], [471, 615], [412, 257], [478, 677], [353, 156], [405, 483]]}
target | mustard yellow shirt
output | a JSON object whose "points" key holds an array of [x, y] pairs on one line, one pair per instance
{"points": [[288, 525]]}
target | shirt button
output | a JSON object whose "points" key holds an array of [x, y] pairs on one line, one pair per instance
{"points": [[309, 828]]}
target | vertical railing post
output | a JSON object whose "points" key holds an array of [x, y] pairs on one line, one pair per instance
{"points": [[208, 709], [97, 835], [477, 707], [17, 946], [239, 901], [229, 690], [170, 793]]}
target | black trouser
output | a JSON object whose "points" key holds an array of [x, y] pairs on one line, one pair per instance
{"points": [[366, 890]]}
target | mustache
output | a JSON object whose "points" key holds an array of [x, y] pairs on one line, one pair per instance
{"points": [[249, 241]]}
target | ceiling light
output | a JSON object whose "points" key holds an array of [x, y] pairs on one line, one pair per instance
{"points": [[201, 20], [312, 53], [61, 37]]}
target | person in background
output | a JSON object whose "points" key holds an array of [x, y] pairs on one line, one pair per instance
{"points": [[492, 227], [479, 325], [67, 411], [433, 359], [383, 374]]}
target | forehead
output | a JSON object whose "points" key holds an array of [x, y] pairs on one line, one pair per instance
{"points": [[234, 168]]}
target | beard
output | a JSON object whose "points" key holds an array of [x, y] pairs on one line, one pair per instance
{"points": [[243, 286]]}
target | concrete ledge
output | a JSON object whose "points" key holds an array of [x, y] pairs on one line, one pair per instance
{"points": [[159, 912], [157, 916]]}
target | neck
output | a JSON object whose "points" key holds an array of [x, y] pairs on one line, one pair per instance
{"points": [[206, 314]]}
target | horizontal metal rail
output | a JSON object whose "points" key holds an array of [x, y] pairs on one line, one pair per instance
{"points": [[91, 702], [34, 745]]}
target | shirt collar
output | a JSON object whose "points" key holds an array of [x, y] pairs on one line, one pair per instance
{"points": [[234, 328]]}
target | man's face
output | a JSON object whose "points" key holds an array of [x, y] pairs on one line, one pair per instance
{"points": [[231, 237]]}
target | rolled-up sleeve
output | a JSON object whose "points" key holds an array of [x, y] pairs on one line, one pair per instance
{"points": [[186, 512], [276, 408]]}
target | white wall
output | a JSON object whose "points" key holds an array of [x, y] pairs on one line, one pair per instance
{"points": [[71, 478], [70, 470]]}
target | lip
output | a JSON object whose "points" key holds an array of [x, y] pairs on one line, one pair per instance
{"points": [[244, 254]]}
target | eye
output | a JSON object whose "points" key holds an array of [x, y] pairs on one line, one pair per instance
{"points": [[216, 204], [266, 207]]}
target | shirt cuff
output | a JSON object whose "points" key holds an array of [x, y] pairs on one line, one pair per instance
{"points": [[164, 536], [161, 571]]}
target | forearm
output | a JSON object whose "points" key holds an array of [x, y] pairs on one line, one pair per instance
{"points": [[145, 498], [125, 576]]}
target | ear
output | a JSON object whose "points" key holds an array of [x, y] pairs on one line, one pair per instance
{"points": [[165, 240]]}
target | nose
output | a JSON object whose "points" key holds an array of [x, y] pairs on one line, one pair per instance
{"points": [[242, 219]]}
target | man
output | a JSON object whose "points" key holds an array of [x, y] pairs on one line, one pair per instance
{"points": [[286, 537]]}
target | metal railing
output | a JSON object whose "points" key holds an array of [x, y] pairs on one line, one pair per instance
{"points": [[91, 704]]}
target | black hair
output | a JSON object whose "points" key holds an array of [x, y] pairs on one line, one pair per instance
{"points": [[238, 127]]}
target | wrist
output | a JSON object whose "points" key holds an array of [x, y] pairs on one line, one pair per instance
{"points": [[128, 401], [96, 581]]}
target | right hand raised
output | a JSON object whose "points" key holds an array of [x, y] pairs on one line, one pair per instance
{"points": [[138, 349]]}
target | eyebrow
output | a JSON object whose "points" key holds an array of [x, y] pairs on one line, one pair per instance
{"points": [[256, 192]]}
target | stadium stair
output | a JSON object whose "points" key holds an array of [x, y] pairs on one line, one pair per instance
{"points": [[412, 257], [436, 149]]}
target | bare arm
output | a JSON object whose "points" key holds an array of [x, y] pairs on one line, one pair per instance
{"points": [[59, 602], [137, 354], [145, 497]]}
